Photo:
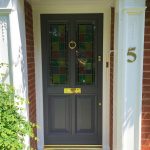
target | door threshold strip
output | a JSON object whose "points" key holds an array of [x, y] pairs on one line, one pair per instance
{"points": [[73, 147]]}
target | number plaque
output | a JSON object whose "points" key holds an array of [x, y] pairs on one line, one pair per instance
{"points": [[131, 53]]}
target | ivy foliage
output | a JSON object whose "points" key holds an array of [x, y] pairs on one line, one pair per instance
{"points": [[13, 125]]}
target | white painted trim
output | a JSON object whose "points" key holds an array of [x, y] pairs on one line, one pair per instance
{"points": [[106, 79], [38, 61], [38, 79], [5, 11], [45, 3]]}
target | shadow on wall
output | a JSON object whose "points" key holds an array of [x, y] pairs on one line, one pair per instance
{"points": [[4, 3], [22, 50]]}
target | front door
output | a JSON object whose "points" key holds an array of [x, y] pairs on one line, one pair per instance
{"points": [[72, 47]]}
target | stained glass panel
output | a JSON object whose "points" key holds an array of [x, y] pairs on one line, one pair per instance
{"points": [[85, 64], [59, 56]]}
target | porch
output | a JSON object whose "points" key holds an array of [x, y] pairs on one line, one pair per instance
{"points": [[125, 114]]}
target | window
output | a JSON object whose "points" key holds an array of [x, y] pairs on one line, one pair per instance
{"points": [[4, 44]]}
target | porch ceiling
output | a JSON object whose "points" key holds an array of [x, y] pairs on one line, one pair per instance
{"points": [[68, 2]]}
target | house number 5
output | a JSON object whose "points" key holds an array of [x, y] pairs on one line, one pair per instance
{"points": [[132, 54]]}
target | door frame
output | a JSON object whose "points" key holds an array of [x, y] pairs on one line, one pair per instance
{"points": [[37, 11]]}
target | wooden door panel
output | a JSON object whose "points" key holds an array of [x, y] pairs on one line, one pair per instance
{"points": [[85, 114], [59, 114]]}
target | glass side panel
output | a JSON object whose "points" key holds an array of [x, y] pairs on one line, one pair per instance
{"points": [[59, 55], [4, 46], [85, 60]]}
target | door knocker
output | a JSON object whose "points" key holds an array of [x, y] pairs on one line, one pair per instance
{"points": [[72, 45]]}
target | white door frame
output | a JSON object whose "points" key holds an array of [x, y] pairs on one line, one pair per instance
{"points": [[63, 8]]}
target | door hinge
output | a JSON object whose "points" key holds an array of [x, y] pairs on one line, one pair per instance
{"points": [[99, 58], [94, 27]]}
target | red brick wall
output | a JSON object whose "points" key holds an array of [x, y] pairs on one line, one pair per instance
{"points": [[146, 84], [31, 66], [111, 76]]}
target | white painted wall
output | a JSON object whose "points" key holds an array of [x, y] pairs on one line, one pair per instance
{"points": [[66, 7], [129, 32], [17, 47]]}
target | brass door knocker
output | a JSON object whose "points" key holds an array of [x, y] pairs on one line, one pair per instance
{"points": [[72, 45], [80, 58]]}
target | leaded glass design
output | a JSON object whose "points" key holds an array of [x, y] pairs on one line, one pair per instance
{"points": [[59, 56], [85, 64], [4, 47]]}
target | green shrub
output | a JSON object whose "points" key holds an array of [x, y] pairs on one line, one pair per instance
{"points": [[13, 125]]}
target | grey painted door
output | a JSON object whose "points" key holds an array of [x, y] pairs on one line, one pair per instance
{"points": [[71, 49]]}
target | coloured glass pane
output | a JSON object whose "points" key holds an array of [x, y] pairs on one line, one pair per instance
{"points": [[58, 56], [85, 60]]}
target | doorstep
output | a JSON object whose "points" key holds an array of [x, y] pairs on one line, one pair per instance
{"points": [[72, 147]]}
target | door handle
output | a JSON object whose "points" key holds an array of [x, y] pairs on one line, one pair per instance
{"points": [[99, 104]]}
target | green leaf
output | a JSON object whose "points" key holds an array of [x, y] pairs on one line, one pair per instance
{"points": [[13, 126]]}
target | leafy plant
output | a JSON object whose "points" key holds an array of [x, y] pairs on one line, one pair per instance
{"points": [[13, 125]]}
